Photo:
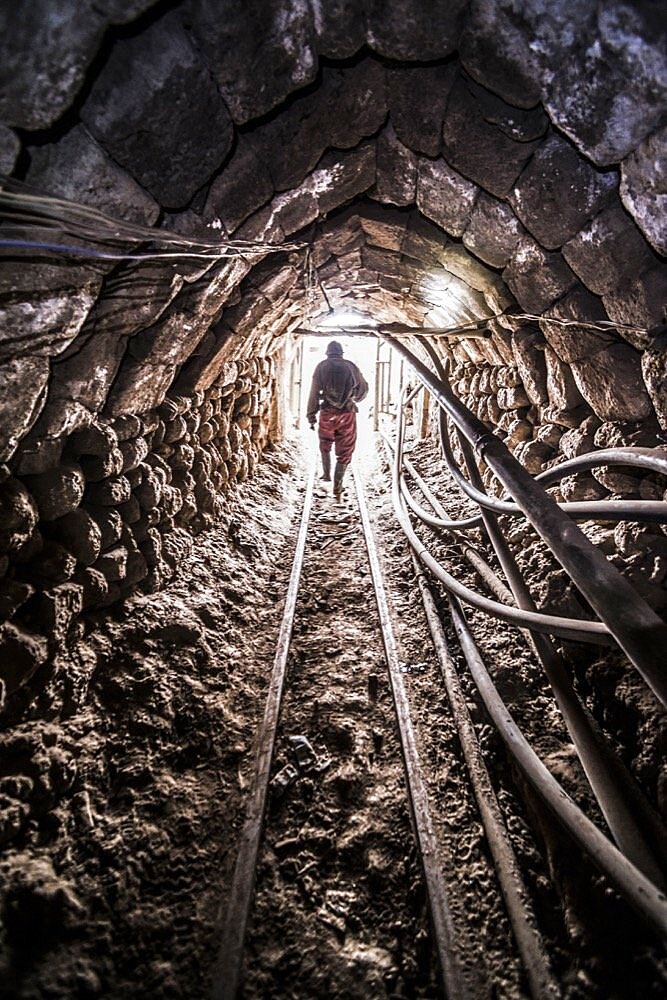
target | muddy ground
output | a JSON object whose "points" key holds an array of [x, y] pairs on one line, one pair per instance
{"points": [[123, 787]]}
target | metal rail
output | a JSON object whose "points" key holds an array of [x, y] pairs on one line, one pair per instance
{"points": [[528, 938], [456, 981], [227, 971]]}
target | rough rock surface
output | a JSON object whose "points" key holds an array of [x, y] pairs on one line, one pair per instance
{"points": [[558, 192], [141, 107]]}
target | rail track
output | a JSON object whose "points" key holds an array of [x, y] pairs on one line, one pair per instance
{"points": [[630, 855]]}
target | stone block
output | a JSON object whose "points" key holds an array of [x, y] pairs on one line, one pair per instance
{"points": [[240, 189], [109, 493], [23, 385], [417, 99], [495, 49], [22, 653], [58, 491], [573, 342], [257, 54], [154, 92], [53, 564], [643, 189], [96, 439], [18, 515], [76, 167], [131, 426], [528, 350], [534, 456], [487, 140], [134, 452], [42, 309], [58, 607], [98, 467], [610, 252], [347, 106], [149, 491], [536, 277], [396, 177], [640, 304], [493, 231], [611, 383], [512, 399], [80, 534], [579, 440], [559, 192], [444, 196], [561, 386], [112, 564], [109, 523], [654, 370], [411, 30]]}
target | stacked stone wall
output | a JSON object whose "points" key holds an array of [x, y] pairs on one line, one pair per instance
{"points": [[544, 422], [119, 512]]}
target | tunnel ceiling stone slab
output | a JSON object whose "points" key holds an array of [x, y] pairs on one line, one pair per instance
{"points": [[258, 52], [43, 306], [396, 180], [486, 139], [155, 95], [45, 50], [495, 49], [417, 100], [347, 106], [644, 188], [493, 231], [641, 304], [610, 251], [537, 277], [444, 196], [609, 88], [574, 343], [611, 383], [412, 30], [243, 186], [558, 192], [76, 167]]}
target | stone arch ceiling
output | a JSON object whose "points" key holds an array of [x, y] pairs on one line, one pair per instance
{"points": [[443, 161]]}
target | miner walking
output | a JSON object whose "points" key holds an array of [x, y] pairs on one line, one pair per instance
{"points": [[337, 387]]}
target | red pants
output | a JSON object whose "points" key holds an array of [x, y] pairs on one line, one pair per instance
{"points": [[338, 427]]}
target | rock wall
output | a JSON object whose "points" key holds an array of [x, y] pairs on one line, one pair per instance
{"points": [[119, 512]]}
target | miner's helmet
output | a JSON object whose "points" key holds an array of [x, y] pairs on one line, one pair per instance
{"points": [[334, 349]]}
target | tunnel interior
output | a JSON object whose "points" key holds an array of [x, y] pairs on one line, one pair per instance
{"points": [[190, 189]]}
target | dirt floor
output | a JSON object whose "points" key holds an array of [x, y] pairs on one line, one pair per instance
{"points": [[123, 787]]}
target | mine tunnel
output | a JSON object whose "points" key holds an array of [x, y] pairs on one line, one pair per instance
{"points": [[263, 737]]}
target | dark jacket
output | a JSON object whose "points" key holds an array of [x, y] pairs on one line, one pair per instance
{"points": [[337, 385]]}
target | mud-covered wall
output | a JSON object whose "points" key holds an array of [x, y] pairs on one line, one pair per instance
{"points": [[118, 513]]}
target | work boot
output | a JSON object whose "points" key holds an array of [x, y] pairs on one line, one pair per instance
{"points": [[326, 466], [339, 472]]}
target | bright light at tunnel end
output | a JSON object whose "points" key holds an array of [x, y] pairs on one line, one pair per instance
{"points": [[344, 320]]}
